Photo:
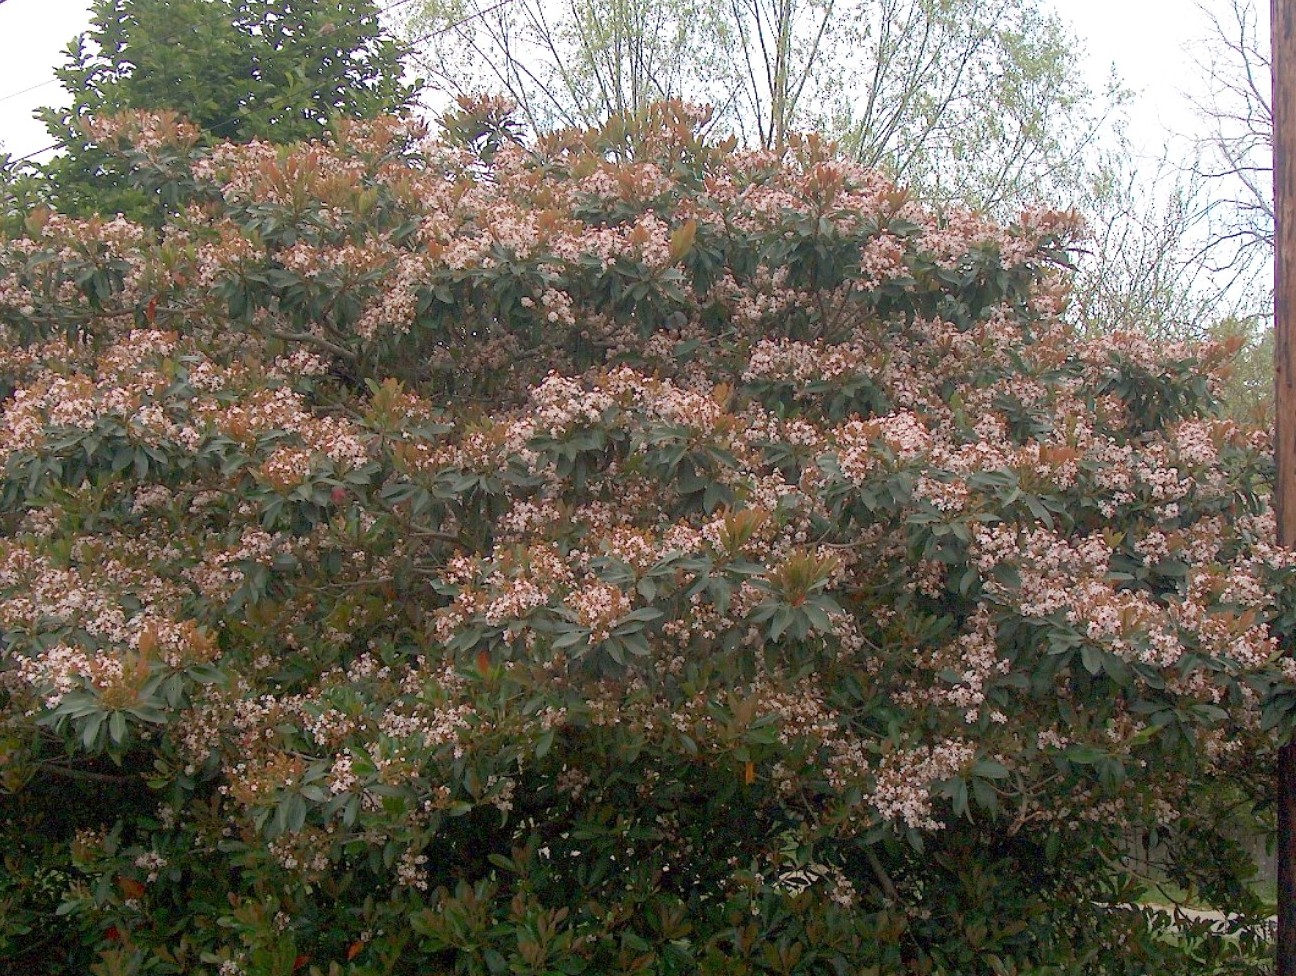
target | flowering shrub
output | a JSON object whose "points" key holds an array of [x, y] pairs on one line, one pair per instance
{"points": [[573, 559]]}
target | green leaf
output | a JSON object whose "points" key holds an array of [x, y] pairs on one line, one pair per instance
{"points": [[959, 796], [984, 794], [148, 713], [544, 744], [1084, 755], [90, 733], [1116, 668], [990, 769], [117, 728], [571, 638], [817, 617], [1092, 657]]}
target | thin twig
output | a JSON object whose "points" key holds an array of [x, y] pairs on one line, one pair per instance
{"points": [[70, 772], [884, 879], [340, 351]]}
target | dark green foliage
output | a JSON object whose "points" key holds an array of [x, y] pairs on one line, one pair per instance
{"points": [[424, 561], [275, 70]]}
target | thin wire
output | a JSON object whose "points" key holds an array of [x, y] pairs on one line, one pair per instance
{"points": [[446, 29], [30, 88], [32, 155], [449, 27]]}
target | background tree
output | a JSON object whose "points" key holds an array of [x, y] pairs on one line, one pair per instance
{"points": [[959, 99], [276, 70], [972, 101], [1204, 229], [1147, 266], [1237, 151], [569, 65], [1184, 248]]}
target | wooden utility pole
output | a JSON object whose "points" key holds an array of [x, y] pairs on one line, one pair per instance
{"points": [[1282, 19]]}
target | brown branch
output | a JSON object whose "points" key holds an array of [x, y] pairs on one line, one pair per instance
{"points": [[884, 879], [70, 772], [439, 536], [305, 337]]}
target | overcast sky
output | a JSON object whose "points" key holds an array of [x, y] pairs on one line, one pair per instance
{"points": [[1144, 39]]}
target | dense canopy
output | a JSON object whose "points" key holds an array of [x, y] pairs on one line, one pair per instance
{"points": [[612, 555]]}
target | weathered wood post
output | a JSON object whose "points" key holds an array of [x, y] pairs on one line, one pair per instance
{"points": [[1283, 24]]}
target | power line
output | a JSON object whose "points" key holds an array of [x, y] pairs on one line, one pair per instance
{"points": [[451, 26], [29, 88], [38, 152]]}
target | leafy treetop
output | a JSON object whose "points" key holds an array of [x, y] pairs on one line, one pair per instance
{"points": [[275, 70]]}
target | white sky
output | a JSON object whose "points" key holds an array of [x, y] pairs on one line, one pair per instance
{"points": [[1144, 39], [33, 34], [1154, 46]]}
